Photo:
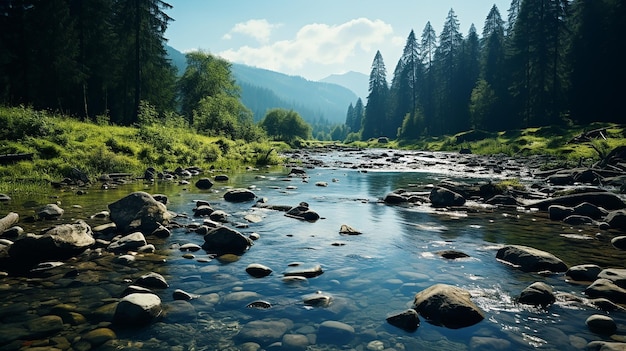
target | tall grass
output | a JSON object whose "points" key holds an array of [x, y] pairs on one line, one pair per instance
{"points": [[60, 144]]}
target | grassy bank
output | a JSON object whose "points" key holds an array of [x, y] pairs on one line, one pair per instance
{"points": [[556, 141], [59, 144]]}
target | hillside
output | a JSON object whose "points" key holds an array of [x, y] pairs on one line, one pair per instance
{"points": [[355, 81], [264, 89]]}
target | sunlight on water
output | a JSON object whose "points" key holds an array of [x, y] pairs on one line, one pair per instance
{"points": [[365, 277]]}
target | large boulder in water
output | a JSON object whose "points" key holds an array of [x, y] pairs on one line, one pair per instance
{"points": [[57, 243], [447, 306], [529, 259], [617, 219], [223, 240], [442, 197], [239, 195], [605, 200], [138, 211]]}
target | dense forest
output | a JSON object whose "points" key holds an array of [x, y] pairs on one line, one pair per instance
{"points": [[551, 62]]}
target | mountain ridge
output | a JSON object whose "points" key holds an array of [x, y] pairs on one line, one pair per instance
{"points": [[262, 89]]}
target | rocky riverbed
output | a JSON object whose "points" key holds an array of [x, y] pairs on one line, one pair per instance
{"points": [[343, 249]]}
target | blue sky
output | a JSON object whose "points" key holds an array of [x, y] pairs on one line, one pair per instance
{"points": [[314, 39]]}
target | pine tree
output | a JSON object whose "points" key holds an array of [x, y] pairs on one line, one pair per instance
{"points": [[376, 108], [405, 86], [536, 59], [428, 47], [493, 72], [447, 67], [144, 72]]}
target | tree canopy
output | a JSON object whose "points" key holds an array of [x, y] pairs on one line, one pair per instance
{"points": [[285, 125], [551, 62]]}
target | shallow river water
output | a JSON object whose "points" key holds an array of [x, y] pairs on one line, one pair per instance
{"points": [[368, 276]]}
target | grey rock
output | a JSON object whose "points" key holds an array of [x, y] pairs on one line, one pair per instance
{"points": [[538, 294], [489, 343], [130, 242], [50, 212], [346, 229], [203, 211], [161, 232], [137, 310], [584, 272], [302, 211], [264, 331], [335, 332], [46, 325], [239, 195], [152, 280], [529, 259], [139, 211], [219, 216], [604, 288], [601, 324], [258, 270], [617, 219], [559, 212], [616, 275], [452, 254], [578, 220], [606, 346], [57, 243], [618, 242], [447, 306], [442, 197], [407, 320], [204, 184], [606, 200], [223, 240], [395, 198], [304, 271], [294, 342]]}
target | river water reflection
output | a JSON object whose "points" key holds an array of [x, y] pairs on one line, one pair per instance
{"points": [[368, 276]]}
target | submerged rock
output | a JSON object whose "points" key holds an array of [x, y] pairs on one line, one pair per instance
{"points": [[407, 320], [334, 332], [264, 331]]}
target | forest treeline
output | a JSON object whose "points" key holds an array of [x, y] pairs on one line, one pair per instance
{"points": [[552, 62]]}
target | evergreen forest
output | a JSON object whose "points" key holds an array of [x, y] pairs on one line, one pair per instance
{"points": [[547, 62], [550, 62]]}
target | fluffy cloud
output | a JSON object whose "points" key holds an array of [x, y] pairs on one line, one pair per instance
{"points": [[317, 44], [259, 29]]}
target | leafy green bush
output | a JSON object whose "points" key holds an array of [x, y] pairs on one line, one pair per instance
{"points": [[21, 122]]}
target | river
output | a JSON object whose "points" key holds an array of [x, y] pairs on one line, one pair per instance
{"points": [[367, 277]]}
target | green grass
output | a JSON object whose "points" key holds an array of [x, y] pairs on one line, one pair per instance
{"points": [[60, 144]]}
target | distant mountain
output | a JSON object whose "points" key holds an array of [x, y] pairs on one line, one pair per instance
{"points": [[355, 81], [178, 59], [264, 89]]}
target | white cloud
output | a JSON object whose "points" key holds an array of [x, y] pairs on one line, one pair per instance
{"points": [[259, 29], [318, 44]]}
